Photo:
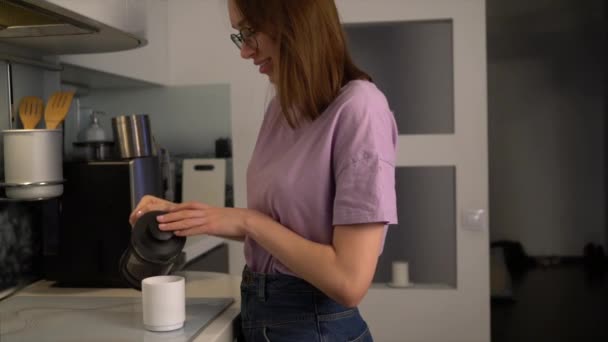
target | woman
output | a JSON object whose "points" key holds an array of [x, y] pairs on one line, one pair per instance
{"points": [[320, 184]]}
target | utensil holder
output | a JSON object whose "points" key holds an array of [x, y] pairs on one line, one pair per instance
{"points": [[33, 163]]}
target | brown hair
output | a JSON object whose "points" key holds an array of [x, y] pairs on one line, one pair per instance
{"points": [[314, 59]]}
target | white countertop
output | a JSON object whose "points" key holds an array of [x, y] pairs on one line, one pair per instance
{"points": [[198, 285], [198, 245], [7, 292]]}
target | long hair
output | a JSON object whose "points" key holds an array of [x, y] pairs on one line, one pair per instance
{"points": [[314, 61]]}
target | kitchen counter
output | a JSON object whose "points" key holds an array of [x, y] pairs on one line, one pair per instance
{"points": [[198, 285], [198, 245], [7, 292]]}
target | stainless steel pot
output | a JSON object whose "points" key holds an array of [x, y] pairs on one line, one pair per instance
{"points": [[133, 136]]}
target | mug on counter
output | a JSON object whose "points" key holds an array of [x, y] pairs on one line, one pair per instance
{"points": [[164, 302]]}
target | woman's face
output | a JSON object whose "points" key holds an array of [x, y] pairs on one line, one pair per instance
{"points": [[264, 51]]}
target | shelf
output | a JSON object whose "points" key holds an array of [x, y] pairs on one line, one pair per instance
{"points": [[94, 79], [413, 286]]}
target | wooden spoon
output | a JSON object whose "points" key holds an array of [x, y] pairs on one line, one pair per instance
{"points": [[57, 108], [30, 111]]}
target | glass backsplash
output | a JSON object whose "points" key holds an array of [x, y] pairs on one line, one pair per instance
{"points": [[20, 243]]}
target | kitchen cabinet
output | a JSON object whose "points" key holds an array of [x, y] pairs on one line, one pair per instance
{"points": [[63, 26], [148, 63], [125, 15]]}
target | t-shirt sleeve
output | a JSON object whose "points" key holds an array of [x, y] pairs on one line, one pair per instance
{"points": [[364, 155]]}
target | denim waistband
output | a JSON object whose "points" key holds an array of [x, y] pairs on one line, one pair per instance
{"points": [[275, 282], [274, 299]]}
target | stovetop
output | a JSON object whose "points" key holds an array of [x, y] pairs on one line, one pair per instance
{"points": [[60, 318]]}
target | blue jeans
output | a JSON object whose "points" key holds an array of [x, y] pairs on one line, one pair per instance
{"points": [[278, 307]]}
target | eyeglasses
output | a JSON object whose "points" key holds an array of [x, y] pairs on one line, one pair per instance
{"points": [[245, 36]]}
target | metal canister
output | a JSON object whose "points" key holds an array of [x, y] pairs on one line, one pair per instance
{"points": [[133, 136]]}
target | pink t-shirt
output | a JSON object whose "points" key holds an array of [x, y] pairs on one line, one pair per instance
{"points": [[336, 170]]}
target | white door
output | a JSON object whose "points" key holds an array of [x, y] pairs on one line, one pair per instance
{"points": [[429, 57]]}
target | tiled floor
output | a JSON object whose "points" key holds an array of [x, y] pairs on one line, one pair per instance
{"points": [[557, 303]]}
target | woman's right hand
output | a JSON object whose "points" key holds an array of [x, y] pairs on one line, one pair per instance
{"points": [[150, 203]]}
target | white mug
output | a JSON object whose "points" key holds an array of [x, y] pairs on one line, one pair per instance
{"points": [[164, 302]]}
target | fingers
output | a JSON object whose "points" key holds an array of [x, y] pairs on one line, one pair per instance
{"points": [[190, 205], [149, 203], [181, 215], [178, 211], [184, 224], [135, 215], [190, 232]]}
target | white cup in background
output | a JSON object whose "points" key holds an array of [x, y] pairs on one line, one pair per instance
{"points": [[401, 277], [164, 302]]}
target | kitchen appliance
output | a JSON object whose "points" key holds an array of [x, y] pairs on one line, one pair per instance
{"points": [[92, 141], [133, 136], [93, 228], [151, 252], [68, 27], [93, 150]]}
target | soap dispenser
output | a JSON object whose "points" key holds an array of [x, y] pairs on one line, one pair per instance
{"points": [[94, 132]]}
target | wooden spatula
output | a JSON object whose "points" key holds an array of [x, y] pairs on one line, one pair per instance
{"points": [[57, 108], [30, 111]]}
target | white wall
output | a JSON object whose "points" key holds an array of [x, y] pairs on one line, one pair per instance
{"points": [[186, 120], [547, 110]]}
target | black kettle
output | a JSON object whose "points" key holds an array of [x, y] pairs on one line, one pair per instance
{"points": [[152, 252]]}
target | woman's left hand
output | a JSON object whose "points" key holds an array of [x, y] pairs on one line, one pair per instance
{"points": [[194, 218]]}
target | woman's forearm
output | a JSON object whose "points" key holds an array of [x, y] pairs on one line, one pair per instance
{"points": [[316, 263], [342, 270]]}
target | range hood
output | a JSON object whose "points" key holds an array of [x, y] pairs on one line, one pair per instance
{"points": [[51, 29]]}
